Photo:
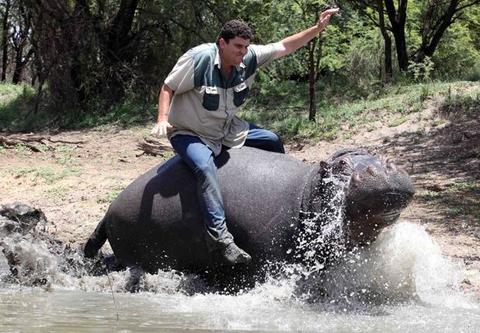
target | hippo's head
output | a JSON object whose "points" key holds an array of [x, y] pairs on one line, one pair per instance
{"points": [[376, 192]]}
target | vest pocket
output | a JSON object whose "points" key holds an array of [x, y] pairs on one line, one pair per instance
{"points": [[240, 93], [211, 99]]}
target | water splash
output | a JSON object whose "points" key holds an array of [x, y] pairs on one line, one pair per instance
{"points": [[382, 287], [403, 264], [322, 237]]}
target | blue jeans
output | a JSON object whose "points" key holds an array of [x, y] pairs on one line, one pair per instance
{"points": [[198, 156]]}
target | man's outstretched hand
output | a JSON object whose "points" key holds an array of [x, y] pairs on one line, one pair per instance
{"points": [[325, 16]]}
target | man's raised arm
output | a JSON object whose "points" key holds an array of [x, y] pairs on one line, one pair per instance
{"points": [[292, 43]]}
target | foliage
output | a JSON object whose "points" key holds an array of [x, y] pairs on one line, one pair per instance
{"points": [[289, 119], [421, 71], [103, 61], [16, 102], [458, 57]]}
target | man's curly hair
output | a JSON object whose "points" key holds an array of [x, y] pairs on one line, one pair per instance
{"points": [[235, 28]]}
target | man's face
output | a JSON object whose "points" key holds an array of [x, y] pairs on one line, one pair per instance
{"points": [[232, 53]]}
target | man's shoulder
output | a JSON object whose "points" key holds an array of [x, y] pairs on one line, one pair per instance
{"points": [[263, 54], [258, 49], [203, 52]]}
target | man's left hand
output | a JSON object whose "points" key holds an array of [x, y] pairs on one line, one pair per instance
{"points": [[325, 16]]}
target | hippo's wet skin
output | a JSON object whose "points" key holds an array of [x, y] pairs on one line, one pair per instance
{"points": [[156, 221]]}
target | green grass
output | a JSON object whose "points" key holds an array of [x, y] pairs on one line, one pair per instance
{"points": [[280, 106], [461, 104], [289, 117], [129, 113], [16, 105], [17, 112], [58, 192], [46, 174], [397, 121], [109, 197], [22, 150], [64, 154]]}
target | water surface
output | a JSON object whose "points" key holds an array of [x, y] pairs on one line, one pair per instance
{"points": [[402, 283]]}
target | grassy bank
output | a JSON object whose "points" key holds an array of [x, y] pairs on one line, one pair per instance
{"points": [[290, 117], [283, 109], [21, 111]]}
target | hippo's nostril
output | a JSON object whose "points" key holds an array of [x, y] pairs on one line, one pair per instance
{"points": [[391, 166], [401, 170], [372, 170]]}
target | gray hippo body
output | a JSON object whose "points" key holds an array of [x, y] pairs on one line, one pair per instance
{"points": [[156, 221]]}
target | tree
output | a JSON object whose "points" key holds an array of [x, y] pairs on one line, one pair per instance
{"points": [[20, 40], [436, 18], [397, 19], [5, 27], [387, 43]]}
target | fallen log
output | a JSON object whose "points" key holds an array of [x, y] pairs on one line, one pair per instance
{"points": [[154, 147], [32, 142]]}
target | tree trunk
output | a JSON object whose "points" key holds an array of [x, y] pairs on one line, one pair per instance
{"points": [[388, 59], [5, 40], [120, 29], [401, 46], [21, 62], [387, 44], [432, 32], [397, 19], [19, 67], [311, 80]]}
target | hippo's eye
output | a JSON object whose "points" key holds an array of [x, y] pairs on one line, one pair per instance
{"points": [[342, 166]]}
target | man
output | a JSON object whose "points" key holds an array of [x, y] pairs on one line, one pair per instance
{"points": [[197, 106]]}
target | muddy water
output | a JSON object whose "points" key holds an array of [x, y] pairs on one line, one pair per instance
{"points": [[401, 284]]}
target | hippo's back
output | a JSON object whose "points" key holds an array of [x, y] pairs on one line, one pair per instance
{"points": [[157, 221]]}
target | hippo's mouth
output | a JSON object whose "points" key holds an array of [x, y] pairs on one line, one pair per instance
{"points": [[390, 216]]}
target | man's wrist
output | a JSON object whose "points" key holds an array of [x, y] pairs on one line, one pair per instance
{"points": [[320, 28], [162, 117]]}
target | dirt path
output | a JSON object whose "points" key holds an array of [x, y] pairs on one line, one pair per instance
{"points": [[74, 183]]}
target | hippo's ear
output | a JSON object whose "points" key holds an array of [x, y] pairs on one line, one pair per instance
{"points": [[324, 167]]}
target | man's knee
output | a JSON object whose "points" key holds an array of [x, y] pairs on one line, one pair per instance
{"points": [[276, 143]]}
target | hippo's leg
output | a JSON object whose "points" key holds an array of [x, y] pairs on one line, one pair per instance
{"points": [[96, 240], [136, 275]]}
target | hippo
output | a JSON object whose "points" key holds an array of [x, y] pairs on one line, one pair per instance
{"points": [[278, 208]]}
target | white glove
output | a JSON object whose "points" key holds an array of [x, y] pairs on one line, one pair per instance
{"points": [[160, 129]]}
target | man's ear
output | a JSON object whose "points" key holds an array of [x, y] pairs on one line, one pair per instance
{"points": [[222, 42]]}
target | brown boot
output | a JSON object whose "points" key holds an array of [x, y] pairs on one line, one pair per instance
{"points": [[232, 255]]}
